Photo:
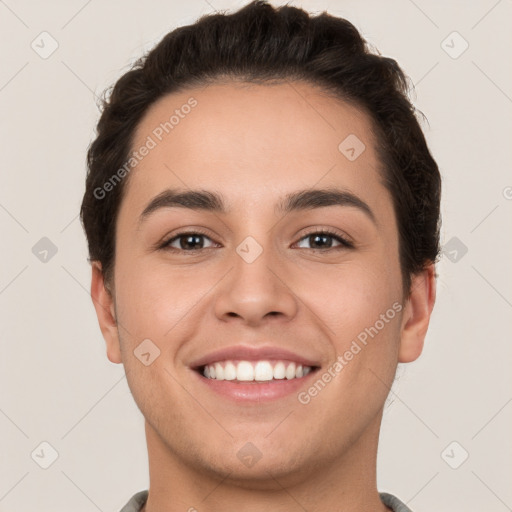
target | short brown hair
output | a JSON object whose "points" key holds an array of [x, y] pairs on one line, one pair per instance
{"points": [[259, 44]]}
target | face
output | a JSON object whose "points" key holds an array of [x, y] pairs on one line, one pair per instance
{"points": [[260, 281]]}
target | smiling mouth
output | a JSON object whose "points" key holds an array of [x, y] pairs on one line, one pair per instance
{"points": [[254, 371]]}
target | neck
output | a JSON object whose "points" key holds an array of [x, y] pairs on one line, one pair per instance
{"points": [[346, 483]]}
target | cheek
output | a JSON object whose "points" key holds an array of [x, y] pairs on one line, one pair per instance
{"points": [[352, 297], [372, 333], [364, 313], [156, 301]]}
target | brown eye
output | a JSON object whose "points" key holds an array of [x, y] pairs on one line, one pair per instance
{"points": [[189, 242], [323, 240]]}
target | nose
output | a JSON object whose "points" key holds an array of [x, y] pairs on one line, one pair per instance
{"points": [[256, 292]]}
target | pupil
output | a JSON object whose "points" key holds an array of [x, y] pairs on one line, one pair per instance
{"points": [[190, 240], [322, 237]]}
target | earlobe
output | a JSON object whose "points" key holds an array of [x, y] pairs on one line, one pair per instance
{"points": [[105, 311], [417, 312]]}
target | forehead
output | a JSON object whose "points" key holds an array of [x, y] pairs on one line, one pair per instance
{"points": [[253, 140]]}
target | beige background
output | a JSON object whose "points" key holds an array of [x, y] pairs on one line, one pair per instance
{"points": [[56, 384]]}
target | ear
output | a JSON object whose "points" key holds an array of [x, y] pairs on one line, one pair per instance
{"points": [[416, 315], [105, 311]]}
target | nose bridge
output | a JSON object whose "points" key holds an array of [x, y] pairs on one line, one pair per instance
{"points": [[255, 287]]}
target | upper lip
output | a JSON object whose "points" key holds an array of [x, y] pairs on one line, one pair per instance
{"points": [[248, 353]]}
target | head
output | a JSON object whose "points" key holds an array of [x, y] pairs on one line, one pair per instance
{"points": [[270, 127]]}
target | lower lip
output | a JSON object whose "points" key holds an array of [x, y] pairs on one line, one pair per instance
{"points": [[256, 391]]}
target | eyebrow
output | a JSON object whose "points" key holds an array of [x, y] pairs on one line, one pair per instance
{"points": [[301, 200]]}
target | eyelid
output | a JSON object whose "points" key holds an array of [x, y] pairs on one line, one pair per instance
{"points": [[345, 239], [164, 244]]}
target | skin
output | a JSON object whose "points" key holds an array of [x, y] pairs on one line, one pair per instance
{"points": [[254, 144]]}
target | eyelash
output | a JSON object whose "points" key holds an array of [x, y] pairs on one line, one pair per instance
{"points": [[345, 244]]}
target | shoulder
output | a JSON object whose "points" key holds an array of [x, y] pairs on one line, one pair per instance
{"points": [[136, 502], [393, 503]]}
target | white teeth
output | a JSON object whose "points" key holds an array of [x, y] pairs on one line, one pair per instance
{"points": [[244, 371], [290, 371], [279, 371], [261, 371], [229, 371], [219, 371]]}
